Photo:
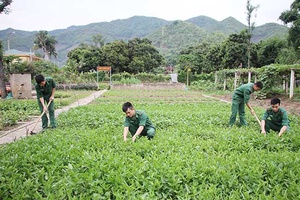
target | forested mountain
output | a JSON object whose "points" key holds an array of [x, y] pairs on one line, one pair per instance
{"points": [[228, 26], [178, 35], [168, 36], [181, 34], [269, 30]]}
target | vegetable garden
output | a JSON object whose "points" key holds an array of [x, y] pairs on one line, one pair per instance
{"points": [[14, 112], [194, 155]]}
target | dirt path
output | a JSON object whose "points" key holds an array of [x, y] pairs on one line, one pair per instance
{"points": [[23, 130]]}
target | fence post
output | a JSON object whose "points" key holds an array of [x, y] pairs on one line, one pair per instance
{"points": [[249, 76], [235, 79], [225, 83], [292, 83]]}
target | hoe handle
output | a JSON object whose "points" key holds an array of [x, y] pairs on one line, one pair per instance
{"points": [[40, 117], [258, 121], [256, 118]]}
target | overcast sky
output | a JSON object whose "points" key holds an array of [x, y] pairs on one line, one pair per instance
{"points": [[35, 15]]}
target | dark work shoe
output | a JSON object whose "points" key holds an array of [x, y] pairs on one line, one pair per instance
{"points": [[44, 130]]}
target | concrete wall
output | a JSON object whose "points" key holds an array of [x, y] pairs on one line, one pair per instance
{"points": [[21, 86], [150, 86]]}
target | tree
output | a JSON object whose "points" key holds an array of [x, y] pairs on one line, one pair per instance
{"points": [[195, 58], [84, 58], [143, 56], [186, 61], [98, 40], [250, 9], [46, 43], [292, 17], [269, 50], [214, 58], [3, 8], [233, 51], [287, 56], [116, 55]]}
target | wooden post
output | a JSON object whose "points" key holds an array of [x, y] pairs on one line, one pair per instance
{"points": [[225, 83], [216, 78], [292, 83], [286, 86], [249, 76], [187, 77], [235, 79]]}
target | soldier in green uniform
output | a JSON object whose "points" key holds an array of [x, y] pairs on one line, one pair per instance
{"points": [[275, 118], [240, 97], [137, 123], [45, 89]]}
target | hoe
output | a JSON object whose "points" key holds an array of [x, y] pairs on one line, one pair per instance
{"points": [[37, 121], [257, 120]]}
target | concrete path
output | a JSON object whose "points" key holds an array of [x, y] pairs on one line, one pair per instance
{"points": [[23, 130]]}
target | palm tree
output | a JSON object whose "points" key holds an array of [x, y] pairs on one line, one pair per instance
{"points": [[46, 43], [251, 25]]}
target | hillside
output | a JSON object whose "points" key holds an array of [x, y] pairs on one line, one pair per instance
{"points": [[228, 26], [168, 36], [269, 30], [173, 38]]}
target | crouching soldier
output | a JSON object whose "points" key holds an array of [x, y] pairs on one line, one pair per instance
{"points": [[275, 118], [137, 123]]}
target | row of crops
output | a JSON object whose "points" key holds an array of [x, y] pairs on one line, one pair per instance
{"points": [[194, 154]]}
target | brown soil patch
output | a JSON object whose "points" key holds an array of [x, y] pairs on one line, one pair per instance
{"points": [[289, 105]]}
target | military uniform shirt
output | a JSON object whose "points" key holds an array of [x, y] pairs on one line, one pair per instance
{"points": [[279, 118], [244, 92], [140, 119], [46, 90]]}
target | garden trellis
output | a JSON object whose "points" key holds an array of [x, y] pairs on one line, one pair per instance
{"points": [[270, 75], [237, 74]]}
